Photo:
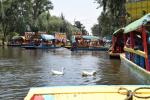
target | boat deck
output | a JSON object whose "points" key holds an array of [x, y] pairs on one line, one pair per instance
{"points": [[97, 92]]}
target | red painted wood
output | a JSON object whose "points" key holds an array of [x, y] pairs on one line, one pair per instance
{"points": [[113, 43], [37, 97], [144, 35]]}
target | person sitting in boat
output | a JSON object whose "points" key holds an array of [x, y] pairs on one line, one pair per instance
{"points": [[138, 43], [74, 45], [128, 42]]}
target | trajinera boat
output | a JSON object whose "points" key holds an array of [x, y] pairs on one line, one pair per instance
{"points": [[44, 41], [117, 44], [87, 42], [137, 47], [97, 92]]}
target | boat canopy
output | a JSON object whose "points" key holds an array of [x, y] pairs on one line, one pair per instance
{"points": [[73, 39], [18, 37], [47, 37], [137, 24], [118, 31], [90, 37]]}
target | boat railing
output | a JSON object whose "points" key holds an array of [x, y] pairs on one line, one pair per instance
{"points": [[138, 52], [136, 56]]}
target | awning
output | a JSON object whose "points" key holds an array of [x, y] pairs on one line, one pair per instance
{"points": [[73, 39], [18, 37], [90, 37], [137, 24], [47, 37], [120, 30]]}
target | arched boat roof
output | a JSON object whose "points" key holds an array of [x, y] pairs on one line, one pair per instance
{"points": [[120, 30], [137, 24]]}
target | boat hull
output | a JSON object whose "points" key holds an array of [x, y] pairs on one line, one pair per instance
{"points": [[39, 47], [143, 74], [114, 55], [97, 92], [90, 49], [68, 47]]}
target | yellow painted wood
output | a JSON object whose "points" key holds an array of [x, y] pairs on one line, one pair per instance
{"points": [[135, 9], [138, 52], [98, 92]]}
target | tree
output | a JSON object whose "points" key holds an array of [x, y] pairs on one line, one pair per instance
{"points": [[112, 16], [4, 12], [96, 30], [63, 28], [81, 27], [78, 25]]}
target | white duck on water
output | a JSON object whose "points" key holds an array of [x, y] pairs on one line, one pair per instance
{"points": [[87, 73], [55, 72]]}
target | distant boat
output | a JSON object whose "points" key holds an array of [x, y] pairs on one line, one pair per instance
{"points": [[44, 41], [91, 43]]}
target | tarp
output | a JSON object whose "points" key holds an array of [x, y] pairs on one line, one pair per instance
{"points": [[118, 31], [137, 24], [18, 37], [47, 37], [90, 37]]}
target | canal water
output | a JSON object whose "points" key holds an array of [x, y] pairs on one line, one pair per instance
{"points": [[21, 69]]}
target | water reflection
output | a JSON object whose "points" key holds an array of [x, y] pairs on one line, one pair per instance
{"points": [[21, 69]]}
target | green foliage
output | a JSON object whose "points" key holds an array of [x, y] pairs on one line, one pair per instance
{"points": [[96, 30], [31, 15], [112, 16], [81, 27]]}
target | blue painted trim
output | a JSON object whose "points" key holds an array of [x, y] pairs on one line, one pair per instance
{"points": [[48, 97]]}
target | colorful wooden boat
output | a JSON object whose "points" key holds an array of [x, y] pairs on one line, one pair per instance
{"points": [[44, 41], [16, 41], [137, 47], [98, 92], [88, 43], [117, 44]]}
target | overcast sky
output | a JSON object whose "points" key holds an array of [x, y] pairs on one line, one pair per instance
{"points": [[80, 10]]}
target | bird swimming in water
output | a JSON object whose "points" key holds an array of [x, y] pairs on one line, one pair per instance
{"points": [[55, 72]]}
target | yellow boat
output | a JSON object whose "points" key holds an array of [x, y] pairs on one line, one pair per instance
{"points": [[97, 92]]}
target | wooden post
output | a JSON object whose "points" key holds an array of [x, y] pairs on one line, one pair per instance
{"points": [[144, 35], [113, 43], [131, 44], [125, 40]]}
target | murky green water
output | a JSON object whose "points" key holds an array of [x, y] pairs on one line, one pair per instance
{"points": [[21, 69]]}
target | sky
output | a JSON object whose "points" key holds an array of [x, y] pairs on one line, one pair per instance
{"points": [[77, 10]]}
